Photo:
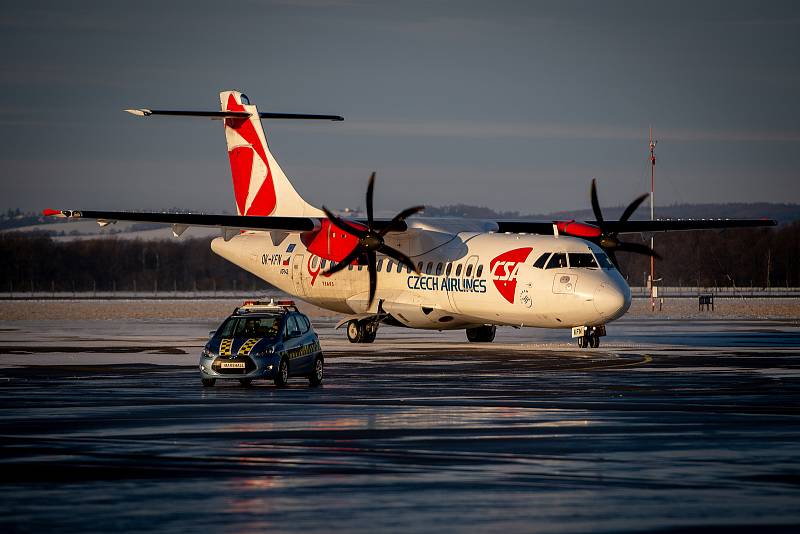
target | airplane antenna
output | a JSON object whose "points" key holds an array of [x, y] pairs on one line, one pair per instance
{"points": [[653, 291]]}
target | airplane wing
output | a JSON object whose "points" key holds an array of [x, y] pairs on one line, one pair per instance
{"points": [[593, 228], [230, 225]]}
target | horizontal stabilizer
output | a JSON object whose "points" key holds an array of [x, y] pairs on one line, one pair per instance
{"points": [[219, 115]]}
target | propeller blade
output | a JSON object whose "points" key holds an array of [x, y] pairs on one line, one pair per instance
{"points": [[350, 258], [400, 217], [373, 276], [598, 215], [343, 225], [370, 189], [399, 256], [638, 248], [633, 206]]}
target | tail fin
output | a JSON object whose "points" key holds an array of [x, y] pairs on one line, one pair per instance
{"points": [[259, 184]]}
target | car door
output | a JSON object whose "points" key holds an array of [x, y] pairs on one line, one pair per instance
{"points": [[293, 344], [309, 341]]}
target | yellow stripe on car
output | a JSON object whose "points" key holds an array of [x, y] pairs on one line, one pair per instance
{"points": [[225, 347], [247, 346]]}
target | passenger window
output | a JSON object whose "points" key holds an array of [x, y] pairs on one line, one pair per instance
{"points": [[323, 263], [389, 265], [582, 259], [449, 269], [360, 267], [400, 268], [479, 271], [557, 261], [304, 323], [469, 271], [458, 270], [539, 264], [314, 262], [350, 267], [380, 265], [419, 266], [439, 269], [429, 268]]}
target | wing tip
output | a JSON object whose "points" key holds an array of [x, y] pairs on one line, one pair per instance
{"points": [[139, 112]]}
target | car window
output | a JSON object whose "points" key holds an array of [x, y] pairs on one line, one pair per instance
{"points": [[557, 261], [303, 322], [259, 327], [582, 259], [228, 327], [291, 326], [539, 264]]}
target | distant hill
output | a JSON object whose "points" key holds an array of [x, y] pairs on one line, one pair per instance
{"points": [[783, 213]]}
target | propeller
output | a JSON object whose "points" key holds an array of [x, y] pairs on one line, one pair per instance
{"points": [[609, 241], [370, 241]]}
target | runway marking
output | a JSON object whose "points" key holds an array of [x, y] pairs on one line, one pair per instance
{"points": [[644, 361]]}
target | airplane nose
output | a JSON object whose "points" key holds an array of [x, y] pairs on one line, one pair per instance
{"points": [[612, 300]]}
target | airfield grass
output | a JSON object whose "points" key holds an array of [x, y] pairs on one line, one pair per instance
{"points": [[26, 310]]}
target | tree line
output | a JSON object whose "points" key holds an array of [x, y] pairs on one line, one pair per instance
{"points": [[759, 257]]}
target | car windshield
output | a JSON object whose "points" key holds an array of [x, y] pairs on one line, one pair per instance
{"points": [[256, 327]]}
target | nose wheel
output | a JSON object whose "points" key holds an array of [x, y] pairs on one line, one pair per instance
{"points": [[589, 336]]}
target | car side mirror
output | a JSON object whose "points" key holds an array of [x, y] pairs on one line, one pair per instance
{"points": [[212, 333]]}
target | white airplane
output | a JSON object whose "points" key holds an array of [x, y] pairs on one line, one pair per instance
{"points": [[431, 273]]}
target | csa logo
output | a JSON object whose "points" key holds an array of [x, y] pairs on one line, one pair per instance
{"points": [[504, 269]]}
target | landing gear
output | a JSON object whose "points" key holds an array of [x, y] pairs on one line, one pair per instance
{"points": [[589, 336], [481, 334], [362, 331]]}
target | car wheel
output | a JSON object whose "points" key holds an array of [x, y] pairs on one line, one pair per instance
{"points": [[282, 376], [208, 382], [315, 378], [246, 382]]}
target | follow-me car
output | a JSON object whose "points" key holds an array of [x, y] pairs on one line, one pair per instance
{"points": [[263, 340]]}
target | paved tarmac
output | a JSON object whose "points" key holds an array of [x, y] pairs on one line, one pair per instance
{"points": [[670, 426]]}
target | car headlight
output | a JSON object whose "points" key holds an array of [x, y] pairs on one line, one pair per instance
{"points": [[207, 353], [266, 352]]}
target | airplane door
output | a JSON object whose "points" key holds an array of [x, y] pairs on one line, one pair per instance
{"points": [[457, 300], [297, 274]]}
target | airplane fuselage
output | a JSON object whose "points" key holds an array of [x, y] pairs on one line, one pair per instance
{"points": [[466, 279]]}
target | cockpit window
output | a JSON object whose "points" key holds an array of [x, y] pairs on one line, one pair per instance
{"points": [[603, 260], [557, 261], [582, 259], [539, 264]]}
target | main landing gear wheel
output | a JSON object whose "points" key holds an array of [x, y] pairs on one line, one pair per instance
{"points": [[481, 334], [362, 331], [208, 382]]}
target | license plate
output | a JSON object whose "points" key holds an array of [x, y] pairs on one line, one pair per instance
{"points": [[232, 365]]}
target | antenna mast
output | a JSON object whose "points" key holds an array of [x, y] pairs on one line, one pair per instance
{"points": [[653, 292]]}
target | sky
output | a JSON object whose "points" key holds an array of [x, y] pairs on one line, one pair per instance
{"points": [[510, 105]]}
